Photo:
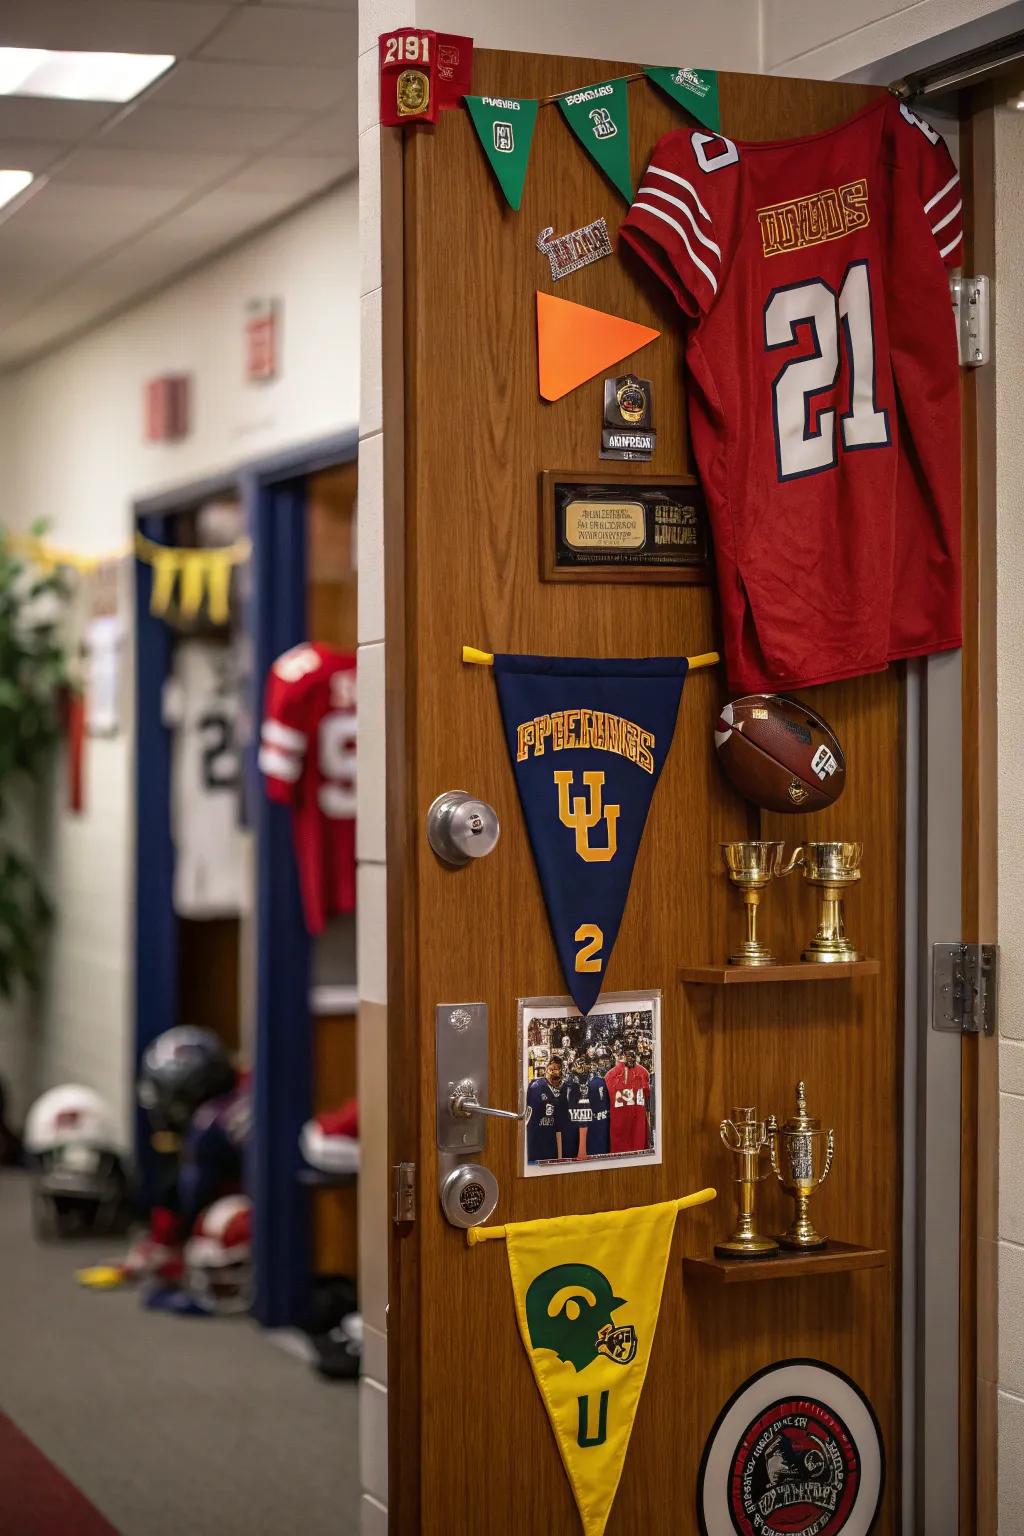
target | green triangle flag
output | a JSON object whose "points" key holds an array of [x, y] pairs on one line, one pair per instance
{"points": [[694, 89], [599, 117], [505, 127]]}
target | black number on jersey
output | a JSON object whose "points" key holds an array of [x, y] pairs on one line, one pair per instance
{"points": [[219, 761], [801, 447]]}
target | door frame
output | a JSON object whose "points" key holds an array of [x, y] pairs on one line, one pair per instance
{"points": [[281, 1236]]}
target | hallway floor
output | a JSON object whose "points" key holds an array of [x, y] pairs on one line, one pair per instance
{"points": [[169, 1425]]}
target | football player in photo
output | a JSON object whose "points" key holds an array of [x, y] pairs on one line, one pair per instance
{"points": [[598, 1144], [628, 1086], [543, 1100], [577, 1103]]}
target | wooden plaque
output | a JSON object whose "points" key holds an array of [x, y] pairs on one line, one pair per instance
{"points": [[618, 526]]}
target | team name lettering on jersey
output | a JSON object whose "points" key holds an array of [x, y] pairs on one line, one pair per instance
{"points": [[585, 729], [826, 215]]}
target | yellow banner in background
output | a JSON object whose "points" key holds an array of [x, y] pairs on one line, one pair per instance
{"points": [[588, 1293], [196, 573]]}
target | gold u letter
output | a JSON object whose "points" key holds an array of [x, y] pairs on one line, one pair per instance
{"points": [[583, 818]]}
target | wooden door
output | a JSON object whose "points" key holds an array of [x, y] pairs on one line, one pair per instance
{"points": [[471, 1447]]}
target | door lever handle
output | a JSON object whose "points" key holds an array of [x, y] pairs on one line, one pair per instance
{"points": [[463, 1103]]}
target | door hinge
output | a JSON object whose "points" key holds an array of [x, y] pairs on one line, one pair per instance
{"points": [[404, 1191], [964, 984], [972, 311]]}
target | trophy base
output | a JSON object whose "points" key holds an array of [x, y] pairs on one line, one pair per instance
{"points": [[752, 954], [830, 954], [756, 1247], [802, 1244]]}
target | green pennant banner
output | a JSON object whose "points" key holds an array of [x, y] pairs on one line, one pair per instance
{"points": [[505, 127], [599, 117], [694, 89]]}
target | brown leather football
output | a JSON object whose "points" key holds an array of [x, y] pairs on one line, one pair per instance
{"points": [[779, 754]]}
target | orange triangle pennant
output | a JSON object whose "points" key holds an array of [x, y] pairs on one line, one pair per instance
{"points": [[574, 343]]}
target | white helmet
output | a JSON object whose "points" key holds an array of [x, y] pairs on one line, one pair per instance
{"points": [[218, 1256], [80, 1181], [68, 1116]]}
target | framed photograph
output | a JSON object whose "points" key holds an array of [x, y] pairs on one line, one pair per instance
{"points": [[590, 1084]]}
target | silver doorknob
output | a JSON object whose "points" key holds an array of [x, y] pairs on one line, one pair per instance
{"points": [[460, 827], [469, 1194]]}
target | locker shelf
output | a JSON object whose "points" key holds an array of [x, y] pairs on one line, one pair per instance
{"points": [[834, 1259], [803, 970]]}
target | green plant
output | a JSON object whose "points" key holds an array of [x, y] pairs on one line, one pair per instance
{"points": [[33, 675]]}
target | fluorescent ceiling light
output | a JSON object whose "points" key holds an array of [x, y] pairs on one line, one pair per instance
{"points": [[79, 76], [13, 182]]}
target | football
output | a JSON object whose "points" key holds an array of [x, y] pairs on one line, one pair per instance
{"points": [[779, 754]]}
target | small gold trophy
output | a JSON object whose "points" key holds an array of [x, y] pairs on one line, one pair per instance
{"points": [[832, 867], [747, 1136], [801, 1156], [750, 866]]}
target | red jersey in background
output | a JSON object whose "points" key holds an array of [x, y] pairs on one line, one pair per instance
{"points": [[628, 1093], [308, 757]]}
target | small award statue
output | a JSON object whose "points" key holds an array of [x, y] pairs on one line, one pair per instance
{"points": [[833, 868], [745, 1135], [801, 1156], [750, 866]]}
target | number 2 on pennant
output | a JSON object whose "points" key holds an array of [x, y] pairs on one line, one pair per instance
{"points": [[413, 50], [590, 939], [800, 447]]}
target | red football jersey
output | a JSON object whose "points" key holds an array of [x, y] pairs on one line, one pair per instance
{"points": [[823, 391], [308, 756], [629, 1090]]}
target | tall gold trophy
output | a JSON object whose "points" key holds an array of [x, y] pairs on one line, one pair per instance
{"points": [[747, 1136], [833, 868], [750, 866], [801, 1156]]}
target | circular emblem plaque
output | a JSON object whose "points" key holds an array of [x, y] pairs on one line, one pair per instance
{"points": [[796, 1451]]}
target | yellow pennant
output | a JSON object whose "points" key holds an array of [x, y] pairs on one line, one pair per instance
{"points": [[588, 1292]]}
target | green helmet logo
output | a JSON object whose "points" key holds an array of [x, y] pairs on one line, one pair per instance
{"points": [[569, 1310]]}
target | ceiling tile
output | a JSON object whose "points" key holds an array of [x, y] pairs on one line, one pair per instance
{"points": [[23, 155], [327, 134], [86, 215], [121, 26], [286, 173], [278, 35], [157, 127], [266, 87], [51, 122], [98, 165]]}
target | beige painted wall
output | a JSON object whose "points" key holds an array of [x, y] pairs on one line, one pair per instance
{"points": [[73, 454]]}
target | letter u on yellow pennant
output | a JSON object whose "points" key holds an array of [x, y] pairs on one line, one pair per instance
{"points": [[588, 1292]]}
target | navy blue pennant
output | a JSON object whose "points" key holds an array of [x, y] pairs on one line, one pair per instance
{"points": [[587, 740]]}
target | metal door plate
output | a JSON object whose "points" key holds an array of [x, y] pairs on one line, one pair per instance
{"points": [[461, 1033]]}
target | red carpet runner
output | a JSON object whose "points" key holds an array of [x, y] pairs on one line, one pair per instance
{"points": [[38, 1500]]}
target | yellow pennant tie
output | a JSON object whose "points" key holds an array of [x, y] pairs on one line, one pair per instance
{"points": [[588, 1292]]}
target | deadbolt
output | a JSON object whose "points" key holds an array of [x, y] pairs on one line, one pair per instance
{"points": [[469, 1194], [460, 827]]}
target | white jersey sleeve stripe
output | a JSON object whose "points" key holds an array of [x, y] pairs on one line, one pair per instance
{"points": [[948, 218], [681, 232], [274, 734], [278, 765], [680, 181], [952, 245], [930, 204], [677, 202]]}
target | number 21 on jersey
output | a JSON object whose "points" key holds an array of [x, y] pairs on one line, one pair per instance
{"points": [[804, 446]]}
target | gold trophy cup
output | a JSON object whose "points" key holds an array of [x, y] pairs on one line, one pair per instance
{"points": [[747, 1136], [750, 866], [832, 867], [801, 1156]]}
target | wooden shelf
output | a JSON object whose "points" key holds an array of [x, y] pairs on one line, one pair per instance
{"points": [[804, 970], [836, 1258]]}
